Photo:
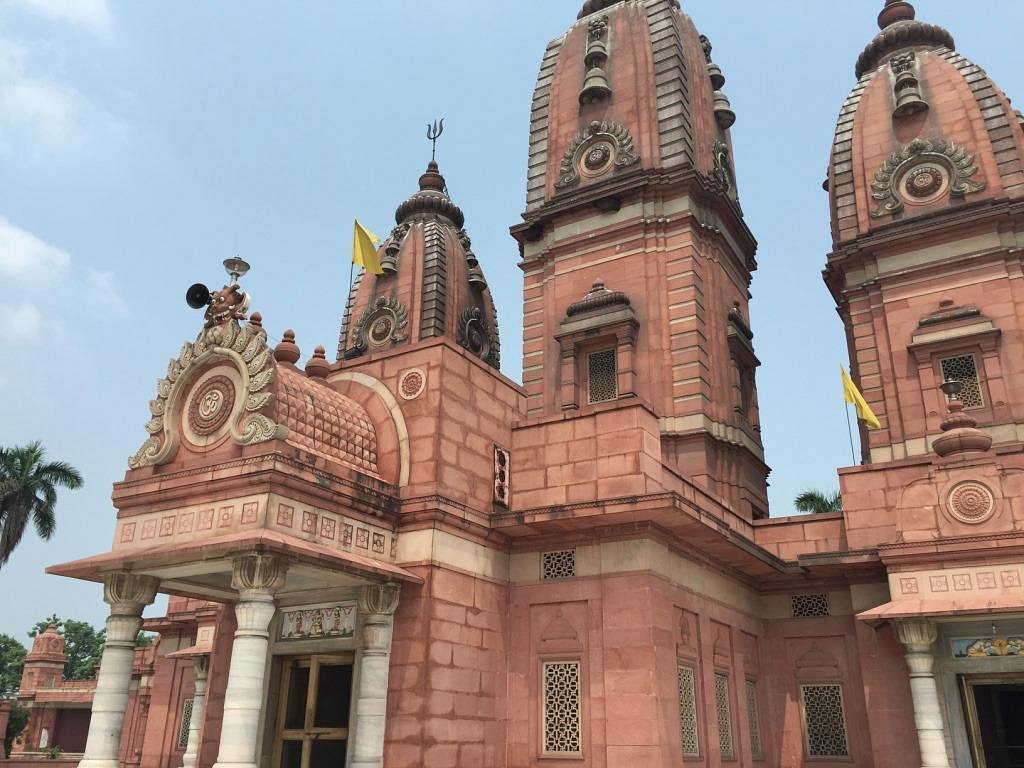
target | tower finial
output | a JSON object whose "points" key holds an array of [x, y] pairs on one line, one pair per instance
{"points": [[433, 134], [895, 10]]}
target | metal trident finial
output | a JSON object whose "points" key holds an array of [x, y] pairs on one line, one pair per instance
{"points": [[433, 134]]}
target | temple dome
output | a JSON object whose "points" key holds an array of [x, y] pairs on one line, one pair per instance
{"points": [[923, 131], [628, 90], [432, 285]]}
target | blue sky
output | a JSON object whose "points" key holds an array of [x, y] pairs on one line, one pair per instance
{"points": [[141, 143]]}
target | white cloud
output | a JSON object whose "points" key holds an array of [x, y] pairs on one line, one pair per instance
{"points": [[91, 15], [26, 258], [22, 322], [38, 113], [33, 108], [102, 292]]}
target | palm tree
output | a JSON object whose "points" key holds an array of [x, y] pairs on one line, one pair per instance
{"points": [[28, 490], [819, 503]]}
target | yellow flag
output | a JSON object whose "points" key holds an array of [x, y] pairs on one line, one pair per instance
{"points": [[364, 249], [852, 395]]}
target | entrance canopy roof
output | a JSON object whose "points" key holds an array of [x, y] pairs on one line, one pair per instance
{"points": [[202, 569]]}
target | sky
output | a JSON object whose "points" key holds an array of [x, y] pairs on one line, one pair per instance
{"points": [[142, 143]]}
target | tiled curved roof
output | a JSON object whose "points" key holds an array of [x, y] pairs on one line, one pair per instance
{"points": [[324, 422]]}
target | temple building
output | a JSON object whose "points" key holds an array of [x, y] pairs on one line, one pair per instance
{"points": [[403, 558]]}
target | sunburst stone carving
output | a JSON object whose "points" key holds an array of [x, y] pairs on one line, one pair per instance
{"points": [[384, 322], [245, 348], [921, 172], [600, 148]]}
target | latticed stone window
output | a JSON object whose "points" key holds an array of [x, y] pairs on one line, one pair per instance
{"points": [[688, 711], [602, 376], [186, 721], [724, 712], [754, 716], [562, 705], [963, 369], [558, 565], [824, 720], [805, 606]]}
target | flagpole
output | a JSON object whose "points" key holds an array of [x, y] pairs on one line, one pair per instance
{"points": [[849, 431]]}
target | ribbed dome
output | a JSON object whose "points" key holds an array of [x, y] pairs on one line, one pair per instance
{"points": [[430, 201], [324, 422], [923, 131], [432, 284], [628, 90]]}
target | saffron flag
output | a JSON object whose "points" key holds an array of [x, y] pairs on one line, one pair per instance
{"points": [[364, 249], [852, 395]]}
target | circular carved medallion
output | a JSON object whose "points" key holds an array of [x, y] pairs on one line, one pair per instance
{"points": [[597, 159], [211, 405], [924, 183], [381, 330], [412, 384], [971, 502]]}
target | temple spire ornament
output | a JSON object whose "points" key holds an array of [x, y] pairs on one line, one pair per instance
{"points": [[434, 132]]}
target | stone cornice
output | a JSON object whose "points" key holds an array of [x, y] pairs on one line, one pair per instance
{"points": [[703, 190], [262, 473]]}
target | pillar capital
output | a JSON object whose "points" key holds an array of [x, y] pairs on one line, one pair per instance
{"points": [[255, 573], [918, 634], [128, 593], [378, 599]]}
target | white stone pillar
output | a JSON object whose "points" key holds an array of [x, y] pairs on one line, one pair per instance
{"points": [[377, 604], [918, 635], [195, 723], [256, 577], [127, 594]]}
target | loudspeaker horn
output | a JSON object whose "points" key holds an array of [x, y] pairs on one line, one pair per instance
{"points": [[198, 296]]}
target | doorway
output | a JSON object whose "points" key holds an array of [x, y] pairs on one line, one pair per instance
{"points": [[995, 714], [312, 721]]}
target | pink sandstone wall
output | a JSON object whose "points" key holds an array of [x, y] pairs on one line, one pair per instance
{"points": [[446, 698]]}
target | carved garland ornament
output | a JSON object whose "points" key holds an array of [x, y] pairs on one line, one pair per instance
{"points": [[243, 347], [601, 147], [923, 171], [383, 322]]}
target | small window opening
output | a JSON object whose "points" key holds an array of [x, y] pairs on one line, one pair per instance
{"points": [[602, 378]]}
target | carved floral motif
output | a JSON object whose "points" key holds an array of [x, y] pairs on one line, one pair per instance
{"points": [[971, 502], [606, 141], [921, 171]]}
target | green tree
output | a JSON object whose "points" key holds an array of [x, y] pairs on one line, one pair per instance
{"points": [[28, 491], [15, 725], [819, 503], [12, 659], [83, 646]]}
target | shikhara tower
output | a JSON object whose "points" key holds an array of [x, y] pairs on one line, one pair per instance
{"points": [[405, 559]]}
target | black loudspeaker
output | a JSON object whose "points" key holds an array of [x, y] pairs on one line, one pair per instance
{"points": [[198, 296]]}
